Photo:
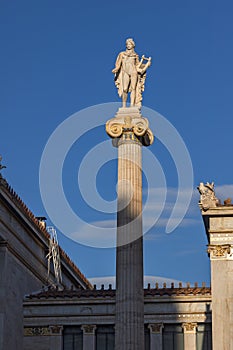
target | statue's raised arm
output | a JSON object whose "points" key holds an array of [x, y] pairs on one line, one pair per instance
{"points": [[130, 74]]}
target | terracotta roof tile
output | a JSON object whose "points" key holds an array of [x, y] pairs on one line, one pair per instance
{"points": [[48, 293]]}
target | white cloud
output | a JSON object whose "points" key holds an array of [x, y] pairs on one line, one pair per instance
{"points": [[96, 233], [184, 216], [184, 223], [224, 191], [186, 252], [103, 233]]}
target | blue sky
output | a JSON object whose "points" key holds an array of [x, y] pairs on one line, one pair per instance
{"points": [[56, 59]]}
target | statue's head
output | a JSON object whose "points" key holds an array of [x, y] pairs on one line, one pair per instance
{"points": [[130, 43]]}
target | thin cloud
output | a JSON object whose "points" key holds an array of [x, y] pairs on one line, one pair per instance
{"points": [[186, 252], [192, 215], [153, 236], [156, 195], [94, 233], [223, 192], [162, 222], [99, 281]]}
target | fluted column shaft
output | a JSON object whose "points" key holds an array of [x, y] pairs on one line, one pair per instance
{"points": [[129, 269], [129, 131]]}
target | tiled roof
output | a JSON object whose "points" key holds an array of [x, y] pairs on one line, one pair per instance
{"points": [[14, 197], [178, 291], [48, 293]]}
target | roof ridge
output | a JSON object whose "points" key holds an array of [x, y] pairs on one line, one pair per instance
{"points": [[74, 266], [22, 206]]}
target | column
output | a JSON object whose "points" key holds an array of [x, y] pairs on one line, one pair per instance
{"points": [[156, 336], [129, 272], [221, 257], [189, 335], [56, 339], [130, 131], [89, 340], [3, 280]]}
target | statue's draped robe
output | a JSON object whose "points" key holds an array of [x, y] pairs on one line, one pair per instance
{"points": [[119, 78]]}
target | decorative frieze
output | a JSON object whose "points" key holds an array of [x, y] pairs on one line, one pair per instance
{"points": [[36, 331], [221, 238], [189, 318], [43, 331]]}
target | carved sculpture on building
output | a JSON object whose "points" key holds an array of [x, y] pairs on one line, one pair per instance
{"points": [[1, 166], [207, 196], [2, 180], [130, 74]]}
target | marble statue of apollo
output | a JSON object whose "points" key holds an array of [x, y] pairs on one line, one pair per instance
{"points": [[130, 74]]}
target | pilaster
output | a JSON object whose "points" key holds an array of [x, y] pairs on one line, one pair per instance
{"points": [[189, 335], [89, 337], [156, 336], [3, 289], [56, 339], [218, 220], [3, 271]]}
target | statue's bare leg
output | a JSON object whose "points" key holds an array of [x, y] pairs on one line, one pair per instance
{"points": [[125, 81], [134, 78], [124, 98]]}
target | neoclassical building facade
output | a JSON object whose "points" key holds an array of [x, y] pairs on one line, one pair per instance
{"points": [[73, 314], [174, 318]]}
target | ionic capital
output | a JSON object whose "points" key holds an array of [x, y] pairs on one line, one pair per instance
{"points": [[130, 122]]}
